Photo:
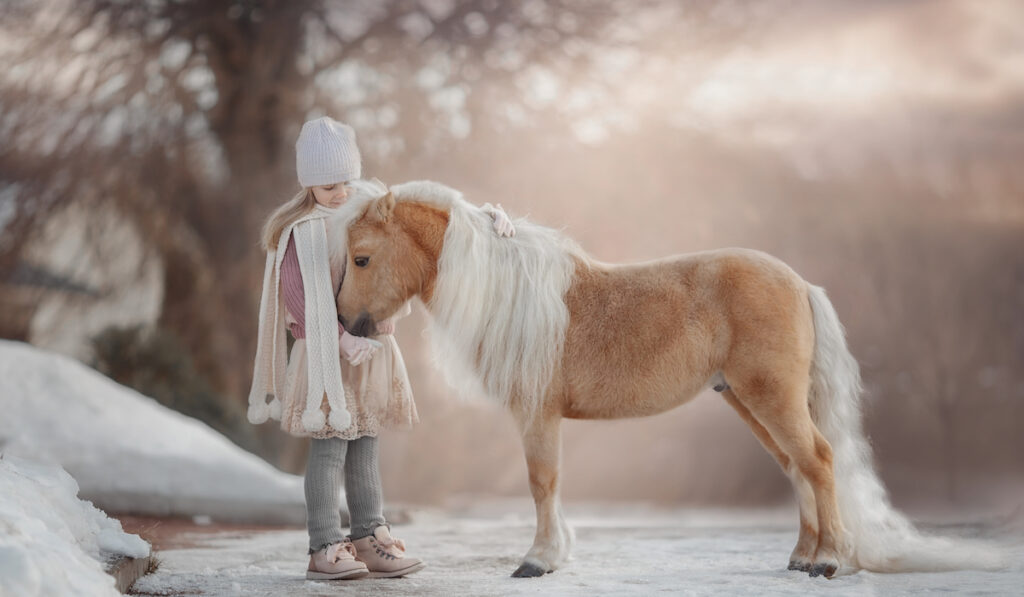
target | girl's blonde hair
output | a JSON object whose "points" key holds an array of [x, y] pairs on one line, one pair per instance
{"points": [[296, 207]]}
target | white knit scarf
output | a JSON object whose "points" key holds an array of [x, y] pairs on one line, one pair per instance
{"points": [[322, 351]]}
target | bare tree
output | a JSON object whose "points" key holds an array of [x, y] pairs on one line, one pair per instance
{"points": [[182, 115]]}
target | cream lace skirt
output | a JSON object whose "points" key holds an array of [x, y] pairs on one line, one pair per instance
{"points": [[377, 393]]}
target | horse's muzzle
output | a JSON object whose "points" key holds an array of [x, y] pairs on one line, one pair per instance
{"points": [[363, 325]]}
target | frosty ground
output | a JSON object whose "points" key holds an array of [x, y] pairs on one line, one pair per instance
{"points": [[124, 452], [621, 550]]}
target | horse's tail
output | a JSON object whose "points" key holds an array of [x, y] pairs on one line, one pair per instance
{"points": [[878, 538]]}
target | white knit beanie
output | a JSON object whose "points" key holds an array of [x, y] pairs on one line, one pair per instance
{"points": [[326, 153]]}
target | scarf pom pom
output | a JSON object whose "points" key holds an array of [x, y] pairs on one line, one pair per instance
{"points": [[340, 419], [275, 409], [313, 420], [258, 412]]}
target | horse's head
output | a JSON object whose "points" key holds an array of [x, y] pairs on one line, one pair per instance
{"points": [[393, 248]]}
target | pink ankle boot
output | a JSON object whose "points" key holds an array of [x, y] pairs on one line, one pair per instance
{"points": [[334, 562], [385, 556]]}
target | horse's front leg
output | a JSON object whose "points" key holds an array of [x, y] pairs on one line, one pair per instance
{"points": [[543, 446]]}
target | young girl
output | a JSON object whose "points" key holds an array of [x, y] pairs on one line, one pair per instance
{"points": [[338, 389]]}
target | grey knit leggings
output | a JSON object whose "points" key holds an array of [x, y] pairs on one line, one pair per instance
{"points": [[327, 460]]}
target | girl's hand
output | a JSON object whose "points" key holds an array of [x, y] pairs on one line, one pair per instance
{"points": [[502, 224], [386, 327], [357, 350]]}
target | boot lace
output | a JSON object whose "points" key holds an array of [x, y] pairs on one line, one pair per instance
{"points": [[390, 547], [333, 552]]}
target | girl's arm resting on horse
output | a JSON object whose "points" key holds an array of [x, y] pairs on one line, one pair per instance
{"points": [[295, 299], [502, 224]]}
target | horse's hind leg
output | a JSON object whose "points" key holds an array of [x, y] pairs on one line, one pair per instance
{"points": [[802, 554], [551, 545], [779, 403]]}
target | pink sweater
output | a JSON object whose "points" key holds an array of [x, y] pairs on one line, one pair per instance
{"points": [[294, 295]]}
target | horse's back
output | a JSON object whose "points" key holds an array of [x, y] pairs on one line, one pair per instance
{"points": [[646, 337]]}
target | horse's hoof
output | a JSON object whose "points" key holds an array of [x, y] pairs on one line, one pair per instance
{"points": [[529, 571], [801, 566], [826, 570]]}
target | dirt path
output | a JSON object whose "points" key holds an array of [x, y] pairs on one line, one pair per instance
{"points": [[179, 533]]}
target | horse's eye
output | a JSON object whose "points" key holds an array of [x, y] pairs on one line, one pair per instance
{"points": [[362, 261]]}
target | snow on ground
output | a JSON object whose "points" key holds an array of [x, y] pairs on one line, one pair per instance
{"points": [[619, 550], [51, 542], [129, 453]]}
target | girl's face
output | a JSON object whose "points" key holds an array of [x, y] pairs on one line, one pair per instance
{"points": [[332, 195]]}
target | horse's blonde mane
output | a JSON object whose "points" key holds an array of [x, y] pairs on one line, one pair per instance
{"points": [[499, 312]]}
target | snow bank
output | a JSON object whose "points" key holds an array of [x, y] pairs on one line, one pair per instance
{"points": [[52, 543], [129, 453]]}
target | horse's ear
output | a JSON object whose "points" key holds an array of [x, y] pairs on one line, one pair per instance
{"points": [[383, 208]]}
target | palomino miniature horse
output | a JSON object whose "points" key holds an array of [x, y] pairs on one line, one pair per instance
{"points": [[535, 323]]}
